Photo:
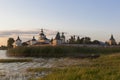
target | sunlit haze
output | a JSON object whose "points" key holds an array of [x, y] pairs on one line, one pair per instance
{"points": [[97, 19]]}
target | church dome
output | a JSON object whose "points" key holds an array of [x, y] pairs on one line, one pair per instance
{"points": [[18, 39], [33, 39]]}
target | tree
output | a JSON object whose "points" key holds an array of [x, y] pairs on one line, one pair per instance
{"points": [[72, 40], [10, 42], [96, 42], [78, 40], [87, 40], [82, 40]]}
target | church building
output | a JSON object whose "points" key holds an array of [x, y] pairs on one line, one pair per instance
{"points": [[18, 42], [42, 40], [112, 41], [33, 41], [59, 39]]}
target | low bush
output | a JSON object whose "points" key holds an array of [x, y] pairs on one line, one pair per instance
{"points": [[14, 60]]}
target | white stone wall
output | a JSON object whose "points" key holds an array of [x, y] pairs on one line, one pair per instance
{"points": [[18, 43]]}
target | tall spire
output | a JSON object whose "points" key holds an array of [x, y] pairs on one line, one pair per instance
{"points": [[112, 38], [42, 33], [18, 38], [41, 30], [112, 41]]}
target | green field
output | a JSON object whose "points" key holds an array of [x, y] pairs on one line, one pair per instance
{"points": [[106, 67]]}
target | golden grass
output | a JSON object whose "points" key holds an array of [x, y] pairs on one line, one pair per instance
{"points": [[107, 67]]}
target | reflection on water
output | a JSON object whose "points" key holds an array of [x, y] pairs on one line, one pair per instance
{"points": [[3, 54], [17, 70]]}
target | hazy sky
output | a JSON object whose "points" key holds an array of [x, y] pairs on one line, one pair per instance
{"points": [[97, 19]]}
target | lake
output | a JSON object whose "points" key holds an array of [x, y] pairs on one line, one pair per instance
{"points": [[3, 54], [17, 70]]}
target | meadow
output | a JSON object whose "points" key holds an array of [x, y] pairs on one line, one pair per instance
{"points": [[106, 67]]}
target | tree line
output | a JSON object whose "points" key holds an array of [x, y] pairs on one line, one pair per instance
{"points": [[83, 40]]}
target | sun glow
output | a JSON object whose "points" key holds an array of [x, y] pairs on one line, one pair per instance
{"points": [[3, 41]]}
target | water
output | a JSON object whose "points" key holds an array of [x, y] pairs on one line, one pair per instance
{"points": [[3, 54], [17, 70]]}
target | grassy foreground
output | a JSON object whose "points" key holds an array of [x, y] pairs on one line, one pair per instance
{"points": [[107, 67], [59, 51]]}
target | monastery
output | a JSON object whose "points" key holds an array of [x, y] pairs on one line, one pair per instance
{"points": [[58, 40], [42, 40]]}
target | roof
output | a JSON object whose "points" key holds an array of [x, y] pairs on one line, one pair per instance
{"points": [[33, 39], [112, 38], [40, 43], [18, 38]]}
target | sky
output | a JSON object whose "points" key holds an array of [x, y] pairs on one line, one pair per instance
{"points": [[97, 19]]}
